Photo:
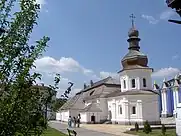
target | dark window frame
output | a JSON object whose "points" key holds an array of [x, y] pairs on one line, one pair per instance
{"points": [[134, 110], [144, 82], [124, 84], [133, 83], [120, 109]]}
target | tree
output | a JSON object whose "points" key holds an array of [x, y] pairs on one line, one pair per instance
{"points": [[163, 129], [21, 103], [59, 103], [136, 127], [147, 128]]}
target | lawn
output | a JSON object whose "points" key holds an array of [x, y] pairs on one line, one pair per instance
{"points": [[156, 132], [52, 132]]}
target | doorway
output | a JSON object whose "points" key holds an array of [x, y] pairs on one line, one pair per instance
{"points": [[93, 119]]}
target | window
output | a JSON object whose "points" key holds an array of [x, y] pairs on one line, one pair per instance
{"points": [[133, 110], [133, 83], [120, 110], [124, 82], [144, 82]]}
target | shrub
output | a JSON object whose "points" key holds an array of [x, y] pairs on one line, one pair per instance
{"points": [[136, 127], [163, 129], [147, 128]]}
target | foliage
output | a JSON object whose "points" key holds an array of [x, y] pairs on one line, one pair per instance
{"points": [[22, 104], [136, 127], [147, 127], [59, 103], [163, 129]]}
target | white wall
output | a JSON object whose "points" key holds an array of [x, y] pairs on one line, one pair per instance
{"points": [[58, 116], [138, 75], [83, 117], [64, 115], [178, 120], [146, 108]]}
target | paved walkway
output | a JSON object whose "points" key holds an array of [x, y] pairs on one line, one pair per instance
{"points": [[93, 130], [80, 131]]}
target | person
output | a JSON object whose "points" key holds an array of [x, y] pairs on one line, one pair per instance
{"points": [[74, 121], [69, 122], [78, 120]]}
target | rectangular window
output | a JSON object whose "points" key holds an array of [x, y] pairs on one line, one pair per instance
{"points": [[124, 84], [120, 110], [133, 110], [144, 82], [133, 83]]}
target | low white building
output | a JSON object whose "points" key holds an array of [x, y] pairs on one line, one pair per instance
{"points": [[90, 103]]}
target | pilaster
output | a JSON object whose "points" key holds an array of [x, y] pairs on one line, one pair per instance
{"points": [[164, 103], [139, 109], [126, 109]]}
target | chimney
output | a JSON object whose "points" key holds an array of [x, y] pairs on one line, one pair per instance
{"points": [[85, 86], [91, 83]]}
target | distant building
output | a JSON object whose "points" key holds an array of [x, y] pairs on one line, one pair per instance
{"points": [[170, 96]]}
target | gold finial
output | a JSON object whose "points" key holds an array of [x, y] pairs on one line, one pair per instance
{"points": [[132, 19]]}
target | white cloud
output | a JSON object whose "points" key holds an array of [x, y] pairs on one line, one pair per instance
{"points": [[150, 19], [166, 72], [41, 2], [48, 64], [167, 14]]}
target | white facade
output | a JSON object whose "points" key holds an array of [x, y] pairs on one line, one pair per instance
{"points": [[138, 75], [178, 120], [134, 108]]}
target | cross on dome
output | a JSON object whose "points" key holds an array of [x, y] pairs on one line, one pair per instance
{"points": [[132, 19]]}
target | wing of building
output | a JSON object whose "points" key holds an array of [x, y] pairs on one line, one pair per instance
{"points": [[130, 100]]}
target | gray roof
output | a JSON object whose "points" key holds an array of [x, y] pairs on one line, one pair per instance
{"points": [[108, 80], [91, 93], [133, 54], [72, 103], [93, 107], [131, 92]]}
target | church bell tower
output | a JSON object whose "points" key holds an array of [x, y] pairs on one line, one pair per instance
{"points": [[135, 73]]}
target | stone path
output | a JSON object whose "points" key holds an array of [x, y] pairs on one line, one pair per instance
{"points": [[92, 130]]}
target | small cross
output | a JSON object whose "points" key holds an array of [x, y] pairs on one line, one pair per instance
{"points": [[132, 19]]}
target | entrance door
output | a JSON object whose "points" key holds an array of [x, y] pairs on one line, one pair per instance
{"points": [[93, 119]]}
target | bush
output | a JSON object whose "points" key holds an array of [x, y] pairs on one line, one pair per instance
{"points": [[136, 127], [147, 128], [163, 129]]}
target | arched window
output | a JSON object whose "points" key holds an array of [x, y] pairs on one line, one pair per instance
{"points": [[133, 83], [124, 82], [120, 110], [144, 82], [133, 110]]}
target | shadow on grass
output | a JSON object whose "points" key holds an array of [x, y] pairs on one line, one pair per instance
{"points": [[52, 132], [155, 132]]}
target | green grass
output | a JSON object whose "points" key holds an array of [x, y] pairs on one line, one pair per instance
{"points": [[156, 132], [53, 132]]}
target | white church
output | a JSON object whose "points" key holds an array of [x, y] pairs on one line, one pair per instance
{"points": [[130, 100]]}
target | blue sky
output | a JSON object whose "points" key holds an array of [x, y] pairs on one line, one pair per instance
{"points": [[89, 38]]}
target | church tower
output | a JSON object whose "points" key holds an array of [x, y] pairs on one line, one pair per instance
{"points": [[135, 73]]}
